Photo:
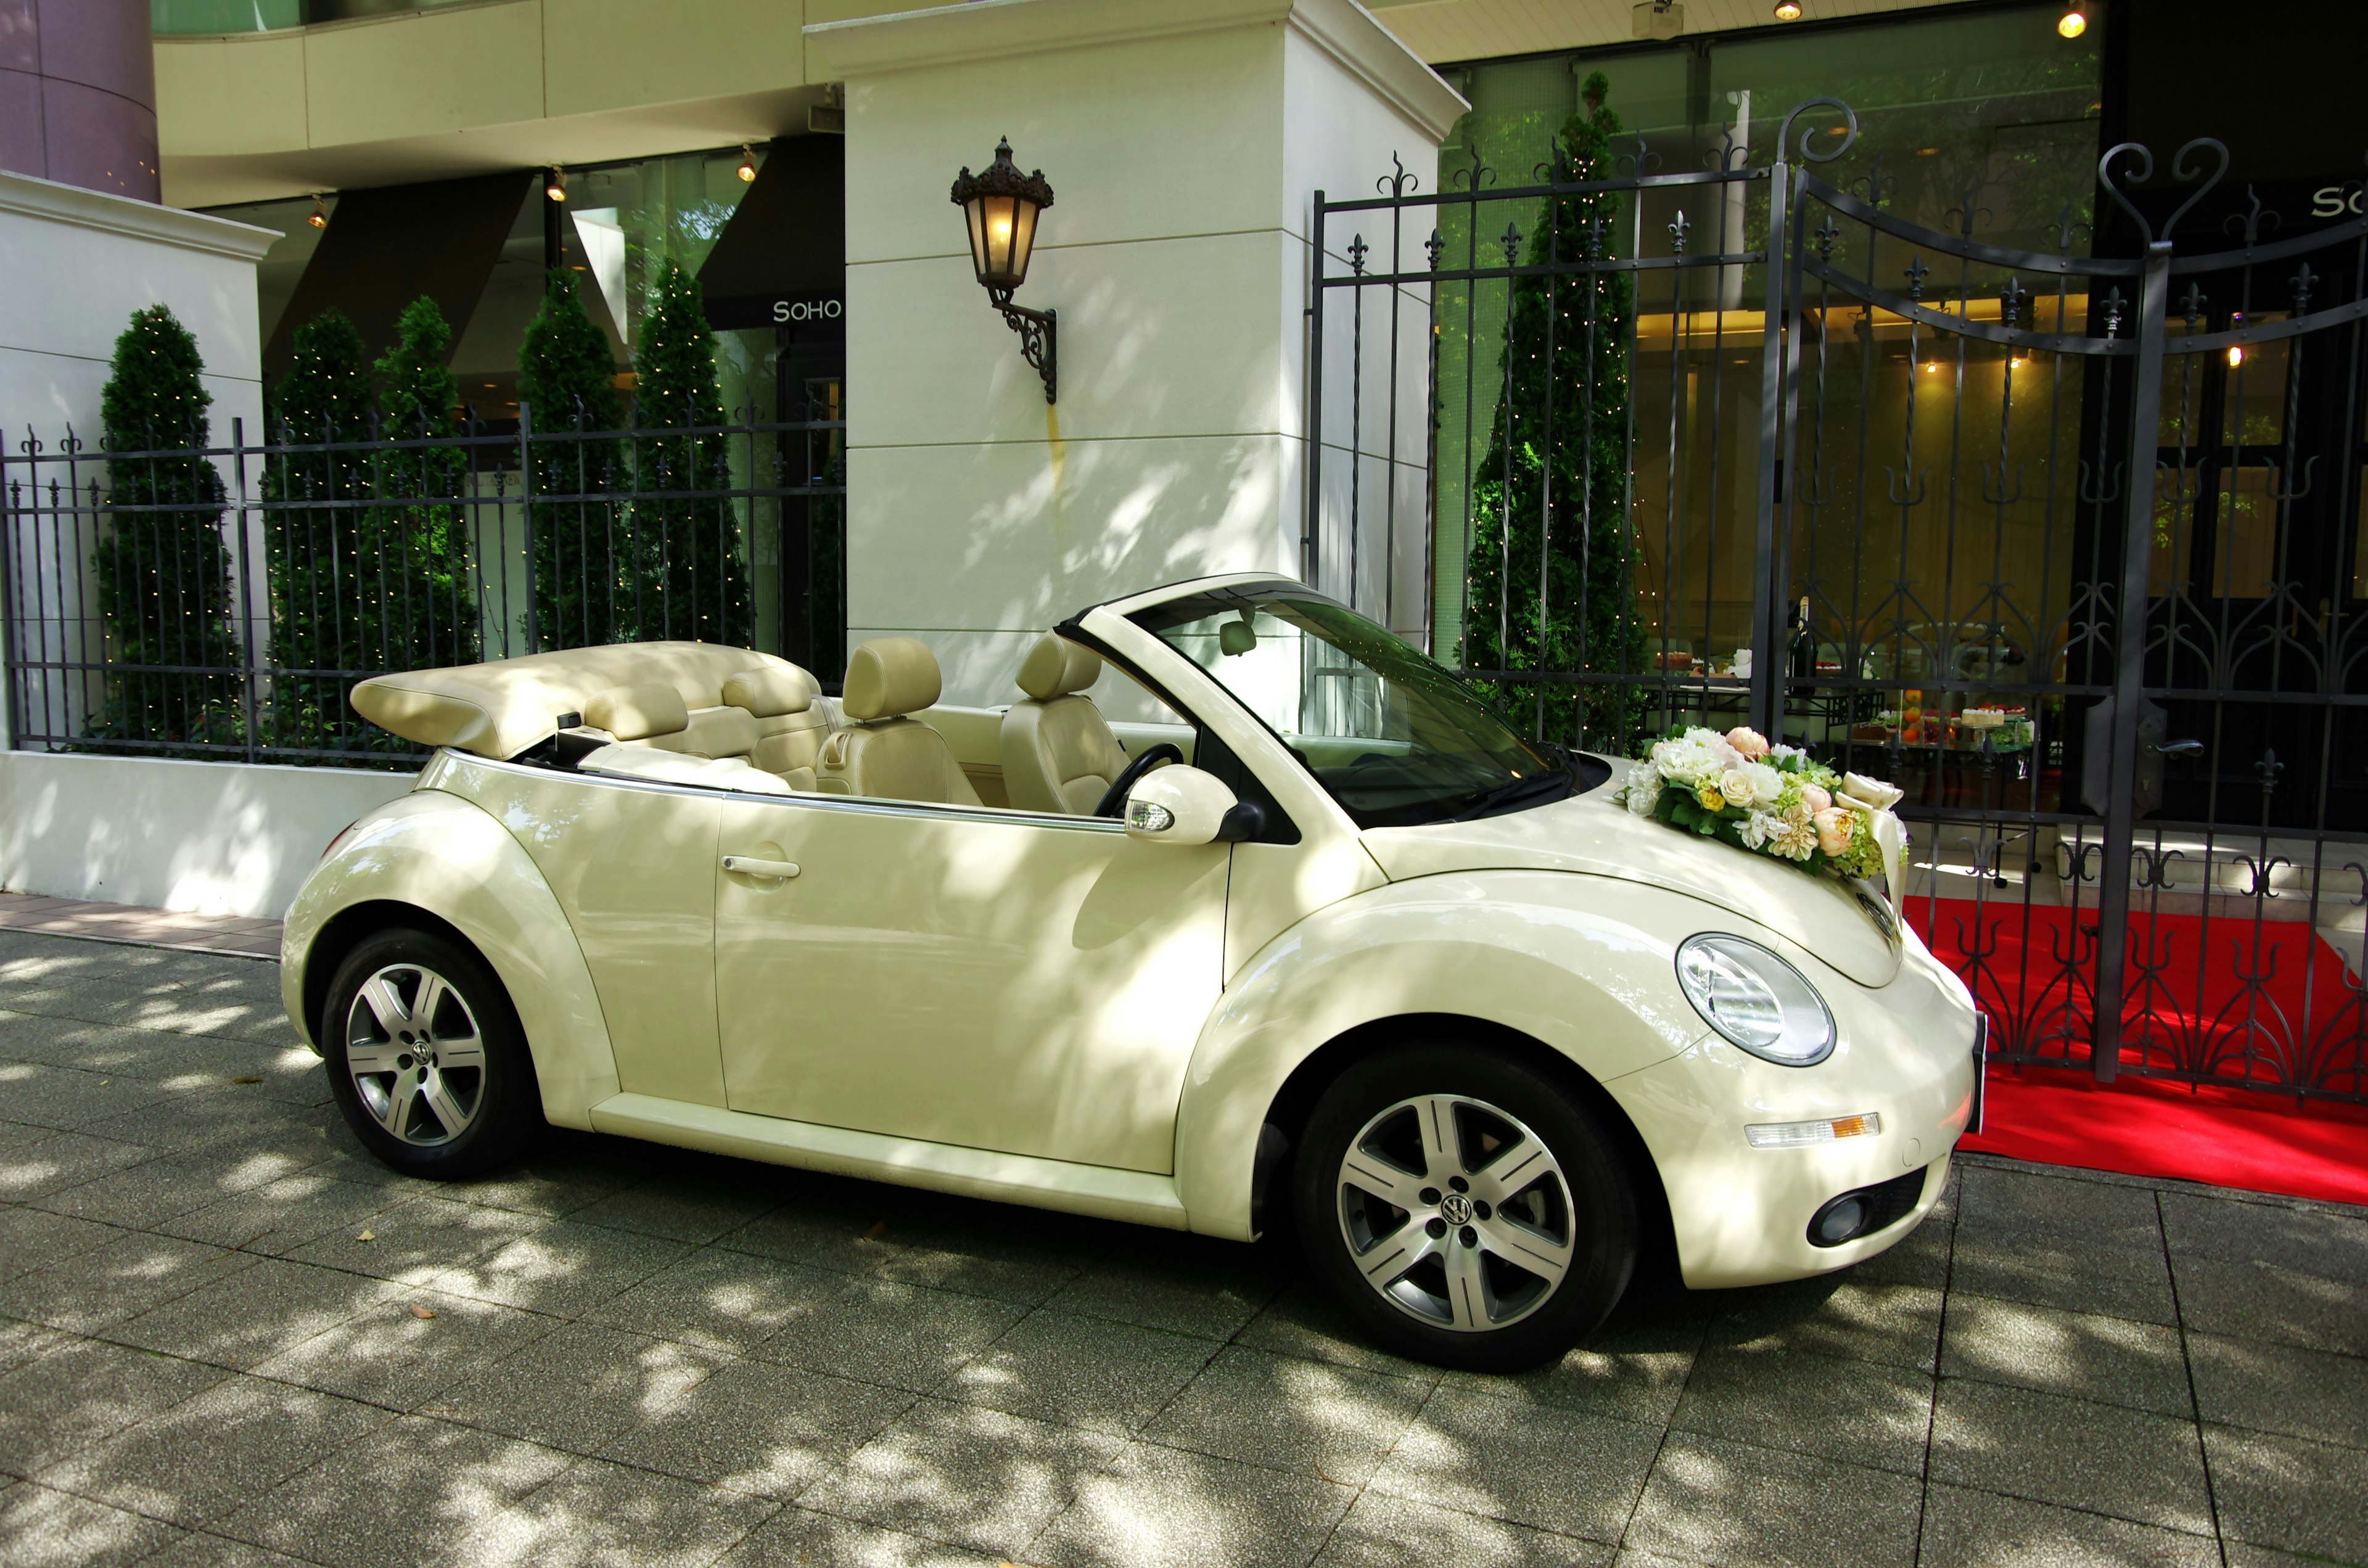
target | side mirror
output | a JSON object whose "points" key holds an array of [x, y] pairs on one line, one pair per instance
{"points": [[1178, 804]]}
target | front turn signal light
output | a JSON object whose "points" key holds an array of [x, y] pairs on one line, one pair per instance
{"points": [[1792, 1134]]}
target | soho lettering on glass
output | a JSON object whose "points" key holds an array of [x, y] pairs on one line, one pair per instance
{"points": [[806, 310], [2334, 201]]}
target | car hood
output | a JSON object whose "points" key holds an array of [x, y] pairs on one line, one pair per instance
{"points": [[1847, 925]]}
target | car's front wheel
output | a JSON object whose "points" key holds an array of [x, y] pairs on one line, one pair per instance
{"points": [[1463, 1208], [426, 1058]]}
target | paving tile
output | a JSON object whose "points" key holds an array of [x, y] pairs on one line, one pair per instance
{"points": [[759, 1428], [209, 1455], [1558, 1470], [21, 1341], [1719, 1503], [1981, 1529], [2050, 1271], [1921, 1257], [564, 1175], [563, 1267], [1107, 1377], [1858, 1413], [85, 1293], [188, 1549], [693, 1211], [282, 1216], [31, 1168], [795, 1538], [1156, 1508], [1302, 1322], [1382, 1531], [44, 1528], [1635, 1368], [720, 1300], [885, 1333], [83, 1390], [201, 1119], [146, 1196], [1996, 1201], [1290, 1414], [2281, 1388], [969, 1476], [2107, 1458], [1834, 1315], [402, 1495], [575, 1386], [67, 1097], [35, 1238], [1193, 1286], [2265, 1272], [2288, 1493], [608, 1513], [2109, 1359], [1009, 1271], [389, 1355], [855, 1228], [252, 1315], [415, 1239]]}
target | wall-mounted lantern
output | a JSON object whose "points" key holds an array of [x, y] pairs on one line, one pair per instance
{"points": [[1002, 204]]}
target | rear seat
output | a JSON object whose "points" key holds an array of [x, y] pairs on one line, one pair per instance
{"points": [[768, 723]]}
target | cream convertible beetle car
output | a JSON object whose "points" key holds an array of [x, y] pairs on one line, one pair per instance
{"points": [[1333, 939]]}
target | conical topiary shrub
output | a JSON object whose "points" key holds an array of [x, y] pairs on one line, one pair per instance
{"points": [[321, 638], [585, 583], [687, 533], [420, 605]]}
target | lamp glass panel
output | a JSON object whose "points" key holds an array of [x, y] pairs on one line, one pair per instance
{"points": [[972, 210], [1023, 239], [998, 218]]}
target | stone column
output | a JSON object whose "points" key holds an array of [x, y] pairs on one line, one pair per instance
{"points": [[1184, 141], [78, 93]]}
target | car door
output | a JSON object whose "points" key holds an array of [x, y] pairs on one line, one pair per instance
{"points": [[992, 979]]}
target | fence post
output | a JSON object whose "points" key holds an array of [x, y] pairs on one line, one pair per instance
{"points": [[252, 666], [526, 519], [2129, 659], [1768, 661], [1307, 546]]}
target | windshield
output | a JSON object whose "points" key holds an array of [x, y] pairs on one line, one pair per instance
{"points": [[1394, 737]]}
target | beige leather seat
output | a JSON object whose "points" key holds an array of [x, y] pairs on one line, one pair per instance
{"points": [[653, 713], [790, 725], [880, 752], [1058, 752]]}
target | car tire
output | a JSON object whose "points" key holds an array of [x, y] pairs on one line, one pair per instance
{"points": [[426, 1058], [1463, 1208]]}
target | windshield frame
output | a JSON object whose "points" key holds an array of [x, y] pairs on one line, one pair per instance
{"points": [[1519, 790]]}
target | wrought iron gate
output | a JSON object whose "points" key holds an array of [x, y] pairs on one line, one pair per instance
{"points": [[1722, 398]]}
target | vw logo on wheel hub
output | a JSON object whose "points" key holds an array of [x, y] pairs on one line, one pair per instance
{"points": [[1455, 1209]]}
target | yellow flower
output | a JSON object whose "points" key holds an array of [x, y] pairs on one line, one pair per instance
{"points": [[1711, 798]]}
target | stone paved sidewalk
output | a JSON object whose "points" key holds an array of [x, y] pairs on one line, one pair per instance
{"points": [[229, 1337]]}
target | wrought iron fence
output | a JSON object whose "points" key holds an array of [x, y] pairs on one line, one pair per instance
{"points": [[1742, 445], [221, 602]]}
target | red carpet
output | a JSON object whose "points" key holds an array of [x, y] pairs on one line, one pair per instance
{"points": [[2271, 1005]]}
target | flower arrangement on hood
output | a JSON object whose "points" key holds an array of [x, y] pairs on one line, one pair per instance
{"points": [[1771, 799]]}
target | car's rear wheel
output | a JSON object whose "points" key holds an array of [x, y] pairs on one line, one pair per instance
{"points": [[1463, 1208], [426, 1058]]}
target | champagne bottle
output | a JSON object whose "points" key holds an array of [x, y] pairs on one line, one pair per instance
{"points": [[1804, 644]]}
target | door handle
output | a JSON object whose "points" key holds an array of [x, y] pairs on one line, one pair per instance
{"points": [[747, 866]]}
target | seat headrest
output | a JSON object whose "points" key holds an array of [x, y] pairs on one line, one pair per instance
{"points": [[889, 677], [771, 692], [637, 712], [1056, 667]]}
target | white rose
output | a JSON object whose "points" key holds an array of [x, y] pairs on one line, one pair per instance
{"points": [[1643, 789], [1767, 783], [1872, 793], [1737, 786]]}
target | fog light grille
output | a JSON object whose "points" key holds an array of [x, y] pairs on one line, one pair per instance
{"points": [[1866, 1210]]}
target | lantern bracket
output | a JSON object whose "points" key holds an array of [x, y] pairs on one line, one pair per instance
{"points": [[1039, 339]]}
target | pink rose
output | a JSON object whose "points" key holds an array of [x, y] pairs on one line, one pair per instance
{"points": [[1833, 829], [1815, 797], [1749, 742]]}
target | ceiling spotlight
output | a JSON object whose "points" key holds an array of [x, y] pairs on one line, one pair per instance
{"points": [[747, 169], [319, 216], [555, 186], [1787, 10], [2074, 21]]}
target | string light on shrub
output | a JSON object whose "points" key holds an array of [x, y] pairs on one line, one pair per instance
{"points": [[747, 169], [2235, 356], [555, 186], [319, 218], [2074, 21]]}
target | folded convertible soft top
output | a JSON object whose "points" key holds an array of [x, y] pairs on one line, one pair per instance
{"points": [[501, 708]]}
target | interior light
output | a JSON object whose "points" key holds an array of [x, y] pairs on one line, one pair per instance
{"points": [[2235, 356], [747, 169], [2072, 22], [555, 186], [1787, 10], [319, 217], [1932, 367]]}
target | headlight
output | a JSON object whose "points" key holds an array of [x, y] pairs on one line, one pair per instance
{"points": [[1756, 999]]}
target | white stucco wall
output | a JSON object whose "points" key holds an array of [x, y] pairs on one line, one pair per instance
{"points": [[207, 837], [1184, 143]]}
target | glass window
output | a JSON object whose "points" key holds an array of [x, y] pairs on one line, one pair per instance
{"points": [[1394, 737]]}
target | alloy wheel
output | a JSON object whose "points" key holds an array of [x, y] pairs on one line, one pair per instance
{"points": [[417, 1055], [1455, 1212]]}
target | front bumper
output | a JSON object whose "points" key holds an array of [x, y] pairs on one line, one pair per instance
{"points": [[1741, 1215]]}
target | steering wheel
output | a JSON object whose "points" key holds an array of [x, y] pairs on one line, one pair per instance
{"points": [[1114, 800]]}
